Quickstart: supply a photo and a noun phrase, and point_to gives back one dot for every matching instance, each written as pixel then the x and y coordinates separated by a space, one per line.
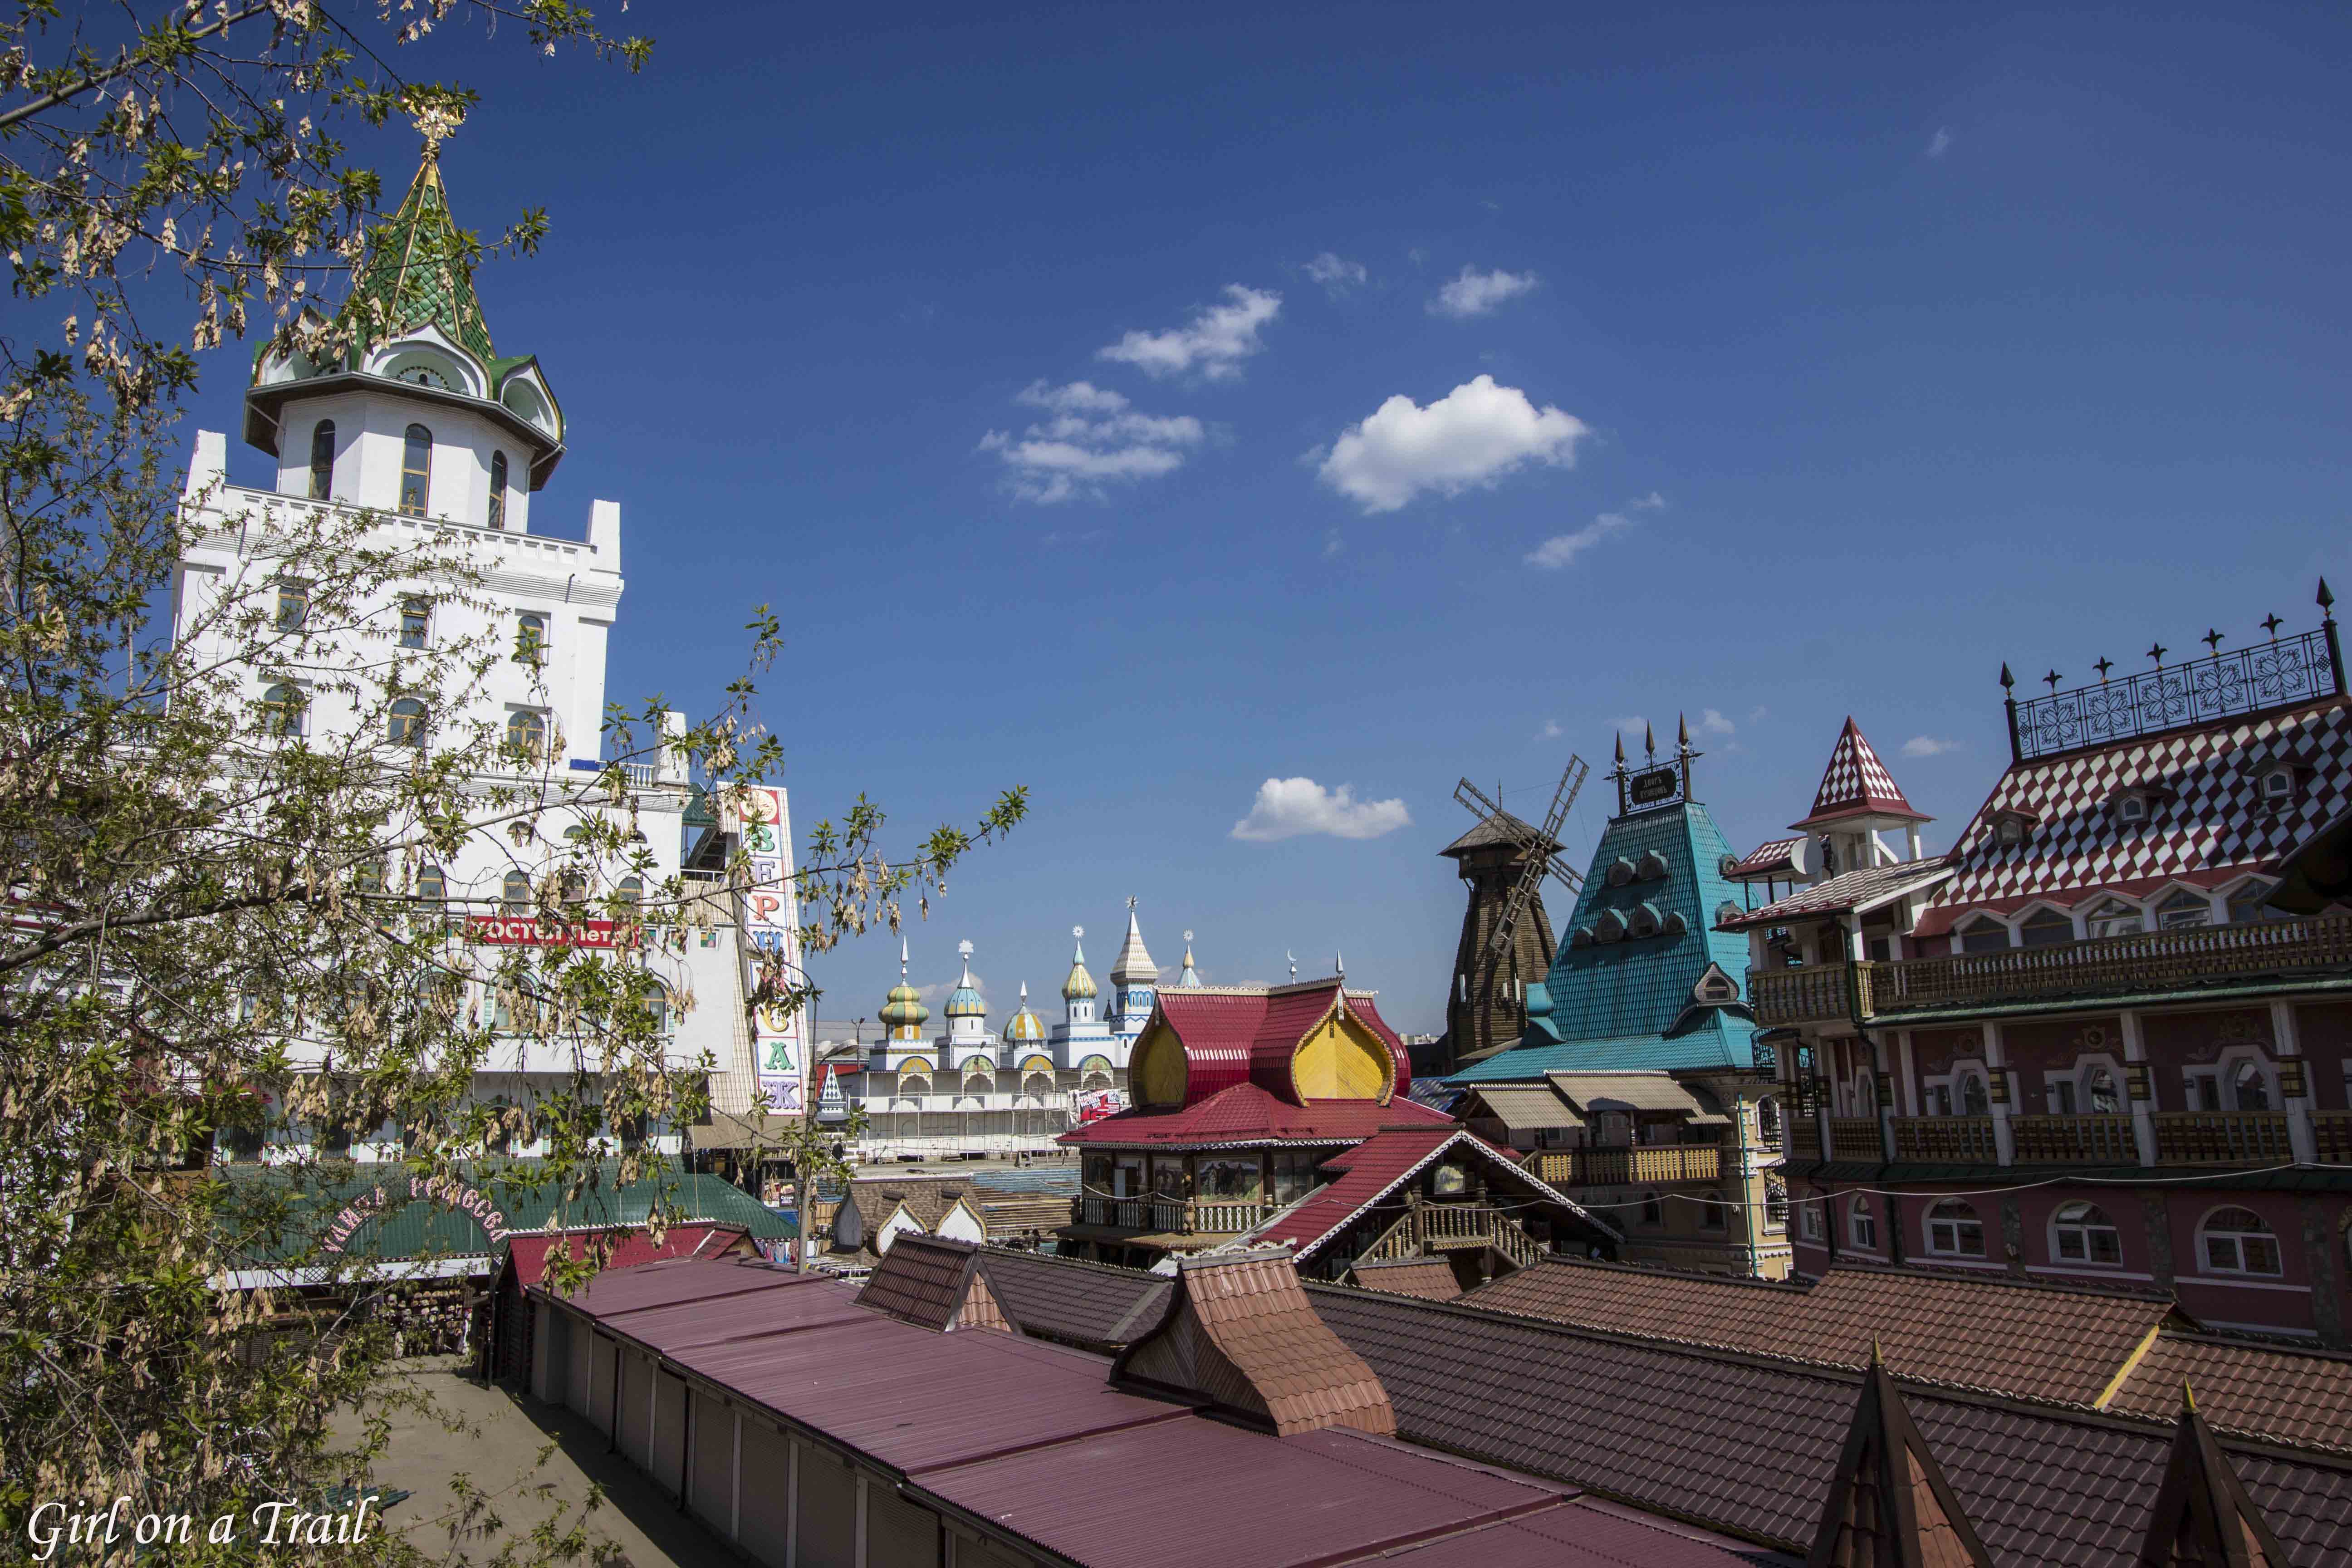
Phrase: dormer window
pixel 423 376
pixel 2131 809
pixel 497 490
pixel 1609 927
pixel 2276 785
pixel 1620 871
pixel 1643 920
pixel 2012 828
pixel 1728 910
pixel 1650 867
pixel 415 470
pixel 1983 934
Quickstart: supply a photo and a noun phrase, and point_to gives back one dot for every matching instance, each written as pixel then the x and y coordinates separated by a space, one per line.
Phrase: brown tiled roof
pixel 922 1280
pixel 1240 1334
pixel 2202 1513
pixel 1091 1305
pixel 2030 1339
pixel 2294 1397
pixel 1431 1279
pixel 1748 1446
pixel 1889 1505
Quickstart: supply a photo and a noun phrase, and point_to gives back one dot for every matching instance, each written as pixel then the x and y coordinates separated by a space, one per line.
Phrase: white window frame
pixel 1953 1225
pixel 2237 1239
pixel 1809 1217
pixel 2040 907
pixel 2058 1225
pixel 1861 1225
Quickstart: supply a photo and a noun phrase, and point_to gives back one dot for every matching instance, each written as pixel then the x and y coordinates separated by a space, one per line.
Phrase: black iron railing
pixel 2286 669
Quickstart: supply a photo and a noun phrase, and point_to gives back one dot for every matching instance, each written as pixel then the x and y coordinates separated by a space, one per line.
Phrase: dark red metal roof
pixel 1246 1034
pixel 528 1251
pixel 1030 1436
pixel 1376 1167
pixel 1245 1113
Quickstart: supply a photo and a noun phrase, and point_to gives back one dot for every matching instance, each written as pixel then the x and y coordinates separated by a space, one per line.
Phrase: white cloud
pixel 1550 731
pixel 1337 274
pixel 1217 340
pixel 1715 723
pixel 1928 747
pixel 1476 293
pixel 1629 723
pixel 1475 434
pixel 1285 808
pixel 1941 142
pixel 1091 437
pixel 1562 548
pixel 1756 715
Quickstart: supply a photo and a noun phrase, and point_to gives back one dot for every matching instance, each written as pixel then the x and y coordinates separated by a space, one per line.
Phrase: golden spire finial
pixel 436 120
pixel 2187 1399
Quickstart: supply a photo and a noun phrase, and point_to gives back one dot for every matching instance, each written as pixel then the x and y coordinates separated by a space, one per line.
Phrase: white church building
pixel 449 444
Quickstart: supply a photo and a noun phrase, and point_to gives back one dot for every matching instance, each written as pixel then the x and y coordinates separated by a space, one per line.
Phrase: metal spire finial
pixel 1294 962
pixel 2211 640
pixel 2157 652
pixel 902 959
pixel 2270 624
pixel 1649 740
pixel 436 123
pixel 1682 730
pixel 2051 680
pixel 2007 680
pixel 2103 666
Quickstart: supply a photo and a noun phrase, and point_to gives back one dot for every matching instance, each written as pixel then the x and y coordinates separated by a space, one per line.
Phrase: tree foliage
pixel 231 925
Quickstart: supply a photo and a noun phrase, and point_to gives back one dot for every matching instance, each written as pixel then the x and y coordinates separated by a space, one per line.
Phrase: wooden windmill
pixel 1507 939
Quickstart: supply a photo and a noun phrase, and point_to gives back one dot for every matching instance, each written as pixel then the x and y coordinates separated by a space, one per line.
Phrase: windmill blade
pixel 1544 861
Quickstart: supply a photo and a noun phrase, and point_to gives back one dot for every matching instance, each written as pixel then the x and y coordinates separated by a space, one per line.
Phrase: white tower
pixel 1135 983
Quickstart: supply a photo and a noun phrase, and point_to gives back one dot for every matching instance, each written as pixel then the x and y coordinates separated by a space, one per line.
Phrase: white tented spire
pixel 1134 966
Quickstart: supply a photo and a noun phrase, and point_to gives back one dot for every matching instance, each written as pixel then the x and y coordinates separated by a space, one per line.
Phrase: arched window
pixel 1861 1225
pixel 1653 1209
pixel 914 1083
pixel 2082 1233
pixel 572 888
pixel 415 622
pixel 1983 934
pixel 515 890
pixel 415 470
pixel 630 890
pixel 284 711
pixel 530 638
pixel 1095 1080
pixel 527 734
pixel 2100 1096
pixel 2045 928
pixel 322 460
pixel 1039 1084
pixel 431 885
pixel 1974 1100
pixel 2237 1241
pixel 1714 1213
pixel 404 726
pixel 497 490
pixel 2249 1086
pixel 1954 1230
pixel 2184 909
pixel 2113 917
pixel 656 1004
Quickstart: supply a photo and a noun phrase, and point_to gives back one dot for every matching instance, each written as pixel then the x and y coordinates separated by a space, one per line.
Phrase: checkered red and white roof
pixel 1856 783
pixel 2206 822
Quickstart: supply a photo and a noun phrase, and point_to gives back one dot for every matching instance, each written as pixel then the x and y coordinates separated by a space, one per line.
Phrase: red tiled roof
pixel 2207 825
pixel 1431 1279
pixel 1856 783
pixel 1244 1113
pixel 1377 1167
pixel 1848 890
pixel 1768 859
pixel 1246 1034
pixel 530 1250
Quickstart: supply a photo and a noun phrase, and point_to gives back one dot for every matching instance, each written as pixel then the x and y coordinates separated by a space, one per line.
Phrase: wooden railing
pixel 2223 1138
pixel 1953 1139
pixel 1624 1167
pixel 1804 1141
pixel 2331 1131
pixel 2117 966
pixel 1427 1228
pixel 1855 1138
pixel 2103 1138
pixel 1177 1215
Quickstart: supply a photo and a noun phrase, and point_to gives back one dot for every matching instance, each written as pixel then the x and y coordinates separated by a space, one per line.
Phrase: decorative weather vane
pixel 963 950
pixel 1130 903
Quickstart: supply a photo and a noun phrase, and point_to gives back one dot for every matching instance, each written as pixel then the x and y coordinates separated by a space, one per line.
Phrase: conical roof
pixel 965 1001
pixel 1504 830
pixel 1889 1505
pixel 1191 978
pixel 1856 783
pixel 2203 1516
pixel 1134 966
pixel 419 271
pixel 1080 986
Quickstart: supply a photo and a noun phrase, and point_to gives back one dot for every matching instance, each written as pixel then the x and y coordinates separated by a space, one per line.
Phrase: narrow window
pixel 415 470
pixel 1653 1210
pixel 1776 1204
pixel 405 724
pixel 1861 1227
pixel 2252 1090
pixel 515 890
pixel 293 606
pixel 322 460
pixel 497 490
pixel 1974 1101
pixel 2099 1092
pixel 432 886
pixel 415 622
pixel 530 638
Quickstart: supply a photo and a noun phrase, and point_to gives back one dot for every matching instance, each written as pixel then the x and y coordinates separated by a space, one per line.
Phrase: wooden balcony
pixel 2223 1138
pixel 2100 1139
pixel 2115 968
pixel 1804 1143
pixel 1629 1167
pixel 1855 1138
pixel 2331 1131
pixel 1176 1216
pixel 1427 1230
pixel 1949 1140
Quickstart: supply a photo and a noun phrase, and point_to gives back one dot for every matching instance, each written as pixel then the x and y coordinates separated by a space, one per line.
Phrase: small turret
pixel 1024 1028
pixel 1191 978
pixel 903 1013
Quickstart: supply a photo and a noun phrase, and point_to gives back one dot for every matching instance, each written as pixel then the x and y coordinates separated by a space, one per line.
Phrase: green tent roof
pixel 419 272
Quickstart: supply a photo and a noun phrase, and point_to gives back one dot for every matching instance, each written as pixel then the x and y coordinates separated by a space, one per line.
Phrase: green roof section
pixel 419 272
pixel 385 1217
pixel 1626 1005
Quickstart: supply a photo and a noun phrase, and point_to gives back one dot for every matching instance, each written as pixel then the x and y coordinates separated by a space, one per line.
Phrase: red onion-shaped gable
pixel 1221 1036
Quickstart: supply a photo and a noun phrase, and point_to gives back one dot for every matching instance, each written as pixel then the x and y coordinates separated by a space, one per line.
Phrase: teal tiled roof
pixel 1615 1005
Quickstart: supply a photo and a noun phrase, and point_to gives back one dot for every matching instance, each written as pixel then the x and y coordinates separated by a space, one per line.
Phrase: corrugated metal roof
pixel 1245 1113
pixel 1625 1090
pixel 1522 1107
pixel 530 1254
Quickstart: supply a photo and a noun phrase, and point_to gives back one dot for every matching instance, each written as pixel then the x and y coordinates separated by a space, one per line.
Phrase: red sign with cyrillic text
pixel 527 930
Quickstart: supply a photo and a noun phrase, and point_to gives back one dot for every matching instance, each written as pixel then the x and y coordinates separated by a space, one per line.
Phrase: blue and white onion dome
pixel 1024 1028
pixel 1080 986
pixel 965 1001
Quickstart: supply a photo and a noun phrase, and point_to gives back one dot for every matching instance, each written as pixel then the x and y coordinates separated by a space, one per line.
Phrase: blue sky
pixel 1841 352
